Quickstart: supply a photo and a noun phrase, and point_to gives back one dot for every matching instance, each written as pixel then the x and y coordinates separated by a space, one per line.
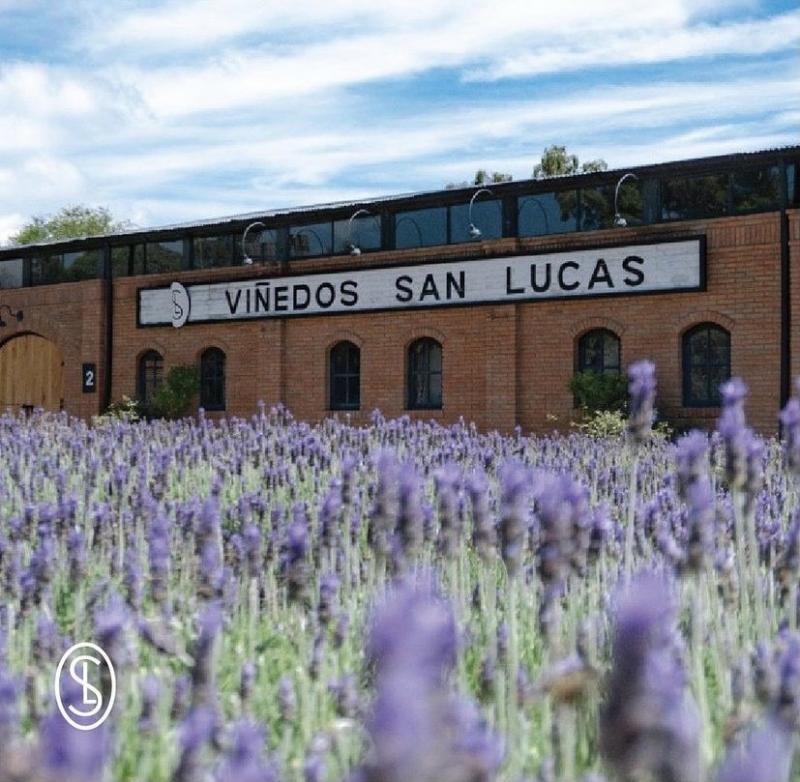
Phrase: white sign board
pixel 605 271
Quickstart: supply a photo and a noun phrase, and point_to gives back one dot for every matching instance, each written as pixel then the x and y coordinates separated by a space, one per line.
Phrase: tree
pixel 556 162
pixel 482 178
pixel 70 222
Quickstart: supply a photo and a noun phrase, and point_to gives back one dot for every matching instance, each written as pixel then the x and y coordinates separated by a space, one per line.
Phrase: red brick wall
pixel 73 316
pixel 503 365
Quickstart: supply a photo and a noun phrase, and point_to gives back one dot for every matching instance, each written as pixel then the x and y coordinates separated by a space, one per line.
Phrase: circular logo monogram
pixel 180 304
pixel 85 686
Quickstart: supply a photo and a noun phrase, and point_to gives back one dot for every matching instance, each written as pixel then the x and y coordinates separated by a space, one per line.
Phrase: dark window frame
pixel 348 374
pixel 711 397
pixel 213 363
pixel 149 375
pixel 424 372
pixel 581 363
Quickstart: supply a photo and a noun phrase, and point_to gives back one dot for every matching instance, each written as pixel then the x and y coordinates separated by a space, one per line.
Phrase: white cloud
pixel 780 33
pixel 9 225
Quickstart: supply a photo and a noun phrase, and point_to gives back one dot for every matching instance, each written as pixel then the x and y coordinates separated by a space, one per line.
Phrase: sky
pixel 189 109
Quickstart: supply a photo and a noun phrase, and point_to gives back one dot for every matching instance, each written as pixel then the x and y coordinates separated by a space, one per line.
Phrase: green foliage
pixel 556 162
pixel 126 409
pixel 482 177
pixel 599 391
pixel 174 397
pixel 603 423
pixel 70 222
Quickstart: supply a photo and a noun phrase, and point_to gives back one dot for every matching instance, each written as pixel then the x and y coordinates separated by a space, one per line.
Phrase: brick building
pixel 470 302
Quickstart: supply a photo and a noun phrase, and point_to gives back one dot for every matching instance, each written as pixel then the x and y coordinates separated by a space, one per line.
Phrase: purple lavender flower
pixel 447 479
pixel 418 731
pixel 195 732
pixel 691 457
pixel 244 761
pixel 328 587
pixel 734 432
pixel 10 689
pixel 484 534
pixel 414 629
pixel 295 566
pixel 766 756
pixel 648 723
pixel 700 525
pixel 410 516
pixel 790 421
pixel 70 755
pixel 76 551
pixel 150 689
pixel 514 491
pixel 642 391
pixel 203 688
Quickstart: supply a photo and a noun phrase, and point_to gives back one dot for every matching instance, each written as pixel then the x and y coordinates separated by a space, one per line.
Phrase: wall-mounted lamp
pixel 246 259
pixel 619 220
pixel 533 200
pixel 17 315
pixel 354 248
pixel 475 232
pixel 297 245
pixel 414 223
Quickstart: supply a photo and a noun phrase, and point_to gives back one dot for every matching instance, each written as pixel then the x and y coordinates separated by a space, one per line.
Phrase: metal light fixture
pixel 535 200
pixel 17 315
pixel 619 220
pixel 354 248
pixel 475 233
pixel 413 222
pixel 246 259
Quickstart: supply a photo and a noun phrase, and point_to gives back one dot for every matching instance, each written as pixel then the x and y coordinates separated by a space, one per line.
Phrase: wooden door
pixel 31 374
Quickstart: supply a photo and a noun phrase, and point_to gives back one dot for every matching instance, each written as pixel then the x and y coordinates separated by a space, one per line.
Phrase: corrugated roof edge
pixel 266 214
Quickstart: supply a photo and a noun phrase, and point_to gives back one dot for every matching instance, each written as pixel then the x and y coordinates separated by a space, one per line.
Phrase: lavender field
pixel 403 602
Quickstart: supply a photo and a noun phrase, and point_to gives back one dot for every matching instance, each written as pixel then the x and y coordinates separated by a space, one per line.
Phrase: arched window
pixel 706 364
pixel 212 379
pixel 150 375
pixel 345 376
pixel 425 374
pixel 599 350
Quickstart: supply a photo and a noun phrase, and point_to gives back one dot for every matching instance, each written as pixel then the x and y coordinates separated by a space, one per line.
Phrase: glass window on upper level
pixel 420 228
pixel 12 273
pixel 164 256
pixel 213 252
pixel 121 261
pixel 686 198
pixel 792 188
pixel 137 259
pixel 86 265
pixel 756 189
pixel 597 205
pixel 487 217
pixel 363 232
pixel 306 241
pixel 546 213
pixel 261 247
pixel 45 269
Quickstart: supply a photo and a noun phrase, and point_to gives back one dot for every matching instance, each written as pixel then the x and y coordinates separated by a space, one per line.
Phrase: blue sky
pixel 188 109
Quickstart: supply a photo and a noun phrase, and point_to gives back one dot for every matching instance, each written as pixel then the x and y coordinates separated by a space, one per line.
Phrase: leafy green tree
pixel 70 222
pixel 482 178
pixel 173 398
pixel 557 162
pixel 595 391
